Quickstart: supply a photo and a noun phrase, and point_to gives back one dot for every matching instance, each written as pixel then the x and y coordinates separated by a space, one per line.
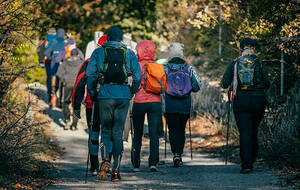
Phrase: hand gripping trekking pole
pixel 90 128
pixel 228 125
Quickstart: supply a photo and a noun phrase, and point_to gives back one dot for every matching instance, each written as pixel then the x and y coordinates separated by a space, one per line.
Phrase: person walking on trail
pixel 114 63
pixel 77 97
pixel 45 61
pixel 67 74
pixel 56 52
pixel 182 79
pixel 146 103
pixel 249 81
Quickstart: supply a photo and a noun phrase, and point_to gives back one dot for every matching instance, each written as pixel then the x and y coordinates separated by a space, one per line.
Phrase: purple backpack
pixel 178 81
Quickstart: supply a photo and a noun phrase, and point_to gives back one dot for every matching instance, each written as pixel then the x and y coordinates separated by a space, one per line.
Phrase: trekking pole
pixel 166 135
pixel 228 125
pixel 90 128
pixel 190 130
pixel 191 146
pixel 131 133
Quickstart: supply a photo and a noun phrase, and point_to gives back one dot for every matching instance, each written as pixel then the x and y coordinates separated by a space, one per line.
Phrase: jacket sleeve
pixel 41 52
pixel 228 76
pixel 195 80
pixel 95 66
pixel 61 72
pixel 49 50
pixel 80 54
pixel 135 69
pixel 265 76
pixel 79 87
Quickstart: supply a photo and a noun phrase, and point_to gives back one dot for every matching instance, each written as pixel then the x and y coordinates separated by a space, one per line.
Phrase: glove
pixel 42 65
pixel 77 113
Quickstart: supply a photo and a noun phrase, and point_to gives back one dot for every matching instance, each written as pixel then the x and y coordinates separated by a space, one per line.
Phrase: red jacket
pixel 80 84
pixel 79 88
pixel 145 53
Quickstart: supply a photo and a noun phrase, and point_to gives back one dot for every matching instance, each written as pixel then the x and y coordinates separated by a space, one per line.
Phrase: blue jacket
pixel 182 105
pixel 113 91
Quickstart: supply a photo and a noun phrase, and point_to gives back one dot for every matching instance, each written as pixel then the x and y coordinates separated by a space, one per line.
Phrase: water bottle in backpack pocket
pixel 178 81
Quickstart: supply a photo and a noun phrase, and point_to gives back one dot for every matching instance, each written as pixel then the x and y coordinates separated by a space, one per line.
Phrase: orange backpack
pixel 155 80
pixel 67 51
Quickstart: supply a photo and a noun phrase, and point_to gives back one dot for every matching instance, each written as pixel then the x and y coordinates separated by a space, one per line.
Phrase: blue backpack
pixel 178 81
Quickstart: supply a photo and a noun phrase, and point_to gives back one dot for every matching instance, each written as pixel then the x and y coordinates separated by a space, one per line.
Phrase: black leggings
pixel 176 124
pixel 154 114
pixel 248 111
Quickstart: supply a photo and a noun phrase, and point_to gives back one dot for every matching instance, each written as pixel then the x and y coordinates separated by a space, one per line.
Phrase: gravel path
pixel 203 172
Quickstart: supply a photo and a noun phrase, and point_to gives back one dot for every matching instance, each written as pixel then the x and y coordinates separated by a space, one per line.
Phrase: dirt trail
pixel 203 172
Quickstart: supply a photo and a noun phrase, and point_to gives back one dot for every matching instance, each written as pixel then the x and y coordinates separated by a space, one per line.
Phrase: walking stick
pixel 166 135
pixel 88 157
pixel 228 125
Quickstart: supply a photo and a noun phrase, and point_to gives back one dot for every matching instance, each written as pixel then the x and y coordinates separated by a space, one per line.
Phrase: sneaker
pixel 245 170
pixel 177 161
pixel 136 169
pixel 94 172
pixel 115 176
pixel 105 170
pixel 153 169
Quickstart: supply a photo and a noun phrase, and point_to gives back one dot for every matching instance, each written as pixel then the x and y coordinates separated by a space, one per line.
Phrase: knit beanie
pixel 176 50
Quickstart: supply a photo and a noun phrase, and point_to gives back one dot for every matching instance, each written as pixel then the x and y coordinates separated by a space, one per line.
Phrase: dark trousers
pixel 94 130
pixel 248 111
pixel 154 114
pixel 48 77
pixel 113 115
pixel 176 124
pixel 67 101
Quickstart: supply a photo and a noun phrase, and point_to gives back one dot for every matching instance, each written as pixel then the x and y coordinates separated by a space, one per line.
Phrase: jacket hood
pixel 50 37
pixel 102 40
pixel 146 50
pixel 176 50
pixel 114 34
pixel 60 33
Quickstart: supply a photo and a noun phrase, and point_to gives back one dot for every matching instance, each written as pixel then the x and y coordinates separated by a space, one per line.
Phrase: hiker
pixel 249 81
pixel 69 46
pixel 67 74
pixel 45 61
pixel 114 62
pixel 56 52
pixel 182 79
pixel 146 103
pixel 92 45
pixel 77 97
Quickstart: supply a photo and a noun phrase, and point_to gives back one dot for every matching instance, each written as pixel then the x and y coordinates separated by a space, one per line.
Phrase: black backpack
pixel 114 71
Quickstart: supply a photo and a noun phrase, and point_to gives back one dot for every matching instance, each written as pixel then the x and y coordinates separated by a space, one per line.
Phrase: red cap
pixel 102 40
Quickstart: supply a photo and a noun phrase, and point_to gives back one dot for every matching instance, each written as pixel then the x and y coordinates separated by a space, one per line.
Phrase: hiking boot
pixel 153 169
pixel 68 125
pixel 94 172
pixel 245 170
pixel 136 169
pixel 177 161
pixel 105 170
pixel 115 176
